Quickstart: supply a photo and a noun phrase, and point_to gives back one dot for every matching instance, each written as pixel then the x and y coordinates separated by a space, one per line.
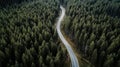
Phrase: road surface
pixel 73 58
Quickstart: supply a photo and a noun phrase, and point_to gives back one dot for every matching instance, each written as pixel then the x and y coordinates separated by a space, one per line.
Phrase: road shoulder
pixel 82 62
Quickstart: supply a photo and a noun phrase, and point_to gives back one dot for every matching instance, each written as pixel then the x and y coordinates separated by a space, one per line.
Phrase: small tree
pixel 94 57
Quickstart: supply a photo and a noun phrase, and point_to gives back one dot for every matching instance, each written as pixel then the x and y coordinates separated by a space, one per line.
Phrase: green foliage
pixel 94 26
pixel 27 35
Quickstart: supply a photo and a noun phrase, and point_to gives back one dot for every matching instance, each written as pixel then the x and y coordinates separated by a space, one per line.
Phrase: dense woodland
pixel 5 3
pixel 94 26
pixel 28 37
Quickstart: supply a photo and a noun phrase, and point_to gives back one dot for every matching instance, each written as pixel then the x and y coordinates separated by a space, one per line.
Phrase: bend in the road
pixel 73 57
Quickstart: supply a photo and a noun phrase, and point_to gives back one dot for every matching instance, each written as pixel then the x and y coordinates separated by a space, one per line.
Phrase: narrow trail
pixel 74 60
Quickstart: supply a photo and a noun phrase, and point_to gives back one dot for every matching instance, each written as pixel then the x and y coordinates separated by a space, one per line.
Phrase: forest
pixel 27 35
pixel 94 27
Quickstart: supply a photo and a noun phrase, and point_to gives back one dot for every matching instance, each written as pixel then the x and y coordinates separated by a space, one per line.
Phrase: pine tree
pixel 94 57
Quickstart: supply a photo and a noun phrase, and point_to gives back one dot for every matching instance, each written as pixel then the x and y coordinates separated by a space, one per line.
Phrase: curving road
pixel 73 58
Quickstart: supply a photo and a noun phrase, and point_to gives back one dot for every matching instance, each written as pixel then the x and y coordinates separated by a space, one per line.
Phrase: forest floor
pixel 82 62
